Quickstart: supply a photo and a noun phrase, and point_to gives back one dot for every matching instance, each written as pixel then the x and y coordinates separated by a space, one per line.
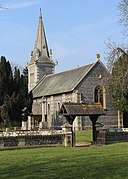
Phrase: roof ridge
pixel 75 68
pixel 63 82
pixel 63 72
pixel 92 65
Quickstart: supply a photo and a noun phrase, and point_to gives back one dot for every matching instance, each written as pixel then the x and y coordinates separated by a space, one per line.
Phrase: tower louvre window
pixel 32 77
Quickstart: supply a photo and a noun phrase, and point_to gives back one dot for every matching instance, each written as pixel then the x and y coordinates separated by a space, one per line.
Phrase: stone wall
pixel 35 138
pixel 9 141
pixel 109 136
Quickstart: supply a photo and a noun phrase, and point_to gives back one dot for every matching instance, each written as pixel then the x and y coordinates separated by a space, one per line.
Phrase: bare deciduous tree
pixel 117 63
pixel 123 8
pixel 115 51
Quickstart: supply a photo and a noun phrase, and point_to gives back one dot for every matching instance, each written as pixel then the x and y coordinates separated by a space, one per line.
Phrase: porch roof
pixel 81 109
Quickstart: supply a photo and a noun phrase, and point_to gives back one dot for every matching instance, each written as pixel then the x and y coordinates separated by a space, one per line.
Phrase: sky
pixel 76 30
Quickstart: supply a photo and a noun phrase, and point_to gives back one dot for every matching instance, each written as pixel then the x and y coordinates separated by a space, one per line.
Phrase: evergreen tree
pixel 16 80
pixel 13 92
pixel 3 79
pixel 27 96
pixel 6 79
pixel 20 98
pixel 9 81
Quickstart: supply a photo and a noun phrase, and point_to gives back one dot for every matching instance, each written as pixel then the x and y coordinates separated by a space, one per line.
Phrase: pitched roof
pixel 81 109
pixel 62 82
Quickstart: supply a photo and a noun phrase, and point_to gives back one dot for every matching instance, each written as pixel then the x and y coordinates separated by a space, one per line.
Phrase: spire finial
pixel 40 13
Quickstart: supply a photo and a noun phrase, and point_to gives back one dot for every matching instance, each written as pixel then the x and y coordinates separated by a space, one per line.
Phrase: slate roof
pixel 81 109
pixel 62 82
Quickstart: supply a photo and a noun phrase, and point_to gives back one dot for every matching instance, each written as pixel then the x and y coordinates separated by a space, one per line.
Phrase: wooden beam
pixel 94 118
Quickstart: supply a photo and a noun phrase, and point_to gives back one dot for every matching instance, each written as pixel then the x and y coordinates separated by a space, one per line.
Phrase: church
pixel 85 84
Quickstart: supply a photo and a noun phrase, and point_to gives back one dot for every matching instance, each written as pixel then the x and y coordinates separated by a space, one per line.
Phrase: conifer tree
pixel 3 79
pixel 13 93
pixel 9 79
pixel 6 85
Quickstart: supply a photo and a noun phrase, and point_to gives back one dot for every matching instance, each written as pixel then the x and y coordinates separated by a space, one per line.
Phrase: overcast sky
pixel 76 30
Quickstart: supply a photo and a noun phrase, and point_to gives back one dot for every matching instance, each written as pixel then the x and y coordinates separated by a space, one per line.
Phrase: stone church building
pixel 87 84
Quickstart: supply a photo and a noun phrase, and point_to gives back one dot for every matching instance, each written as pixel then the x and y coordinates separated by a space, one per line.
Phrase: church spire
pixel 40 52
pixel 41 63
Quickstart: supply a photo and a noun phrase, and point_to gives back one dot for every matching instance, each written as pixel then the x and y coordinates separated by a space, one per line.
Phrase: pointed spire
pixel 40 51
pixel 41 63
pixel 40 13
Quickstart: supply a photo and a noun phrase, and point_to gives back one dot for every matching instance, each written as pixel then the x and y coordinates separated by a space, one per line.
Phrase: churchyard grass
pixel 84 136
pixel 108 161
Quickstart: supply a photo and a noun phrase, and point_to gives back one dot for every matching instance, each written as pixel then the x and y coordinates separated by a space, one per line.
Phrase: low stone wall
pixel 35 138
pixel 40 140
pixel 8 141
pixel 31 140
pixel 109 136
pixel 30 133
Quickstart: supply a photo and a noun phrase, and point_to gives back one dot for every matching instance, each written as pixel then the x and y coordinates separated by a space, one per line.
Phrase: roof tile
pixel 61 82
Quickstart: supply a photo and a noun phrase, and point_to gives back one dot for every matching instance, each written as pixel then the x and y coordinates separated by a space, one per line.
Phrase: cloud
pixel 22 4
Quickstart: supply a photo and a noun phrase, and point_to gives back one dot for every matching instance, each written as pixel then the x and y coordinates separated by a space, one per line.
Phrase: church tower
pixel 41 63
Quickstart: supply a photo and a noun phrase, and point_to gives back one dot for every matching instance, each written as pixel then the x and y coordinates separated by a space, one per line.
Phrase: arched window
pixel 98 94
pixel 58 106
pixel 48 109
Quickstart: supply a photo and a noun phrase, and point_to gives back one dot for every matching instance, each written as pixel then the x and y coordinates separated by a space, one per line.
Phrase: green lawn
pixel 110 161
pixel 84 136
